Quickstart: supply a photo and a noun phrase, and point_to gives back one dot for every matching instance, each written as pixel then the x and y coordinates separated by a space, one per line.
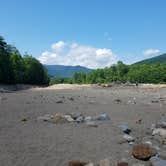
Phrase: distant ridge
pixel 157 59
pixel 65 71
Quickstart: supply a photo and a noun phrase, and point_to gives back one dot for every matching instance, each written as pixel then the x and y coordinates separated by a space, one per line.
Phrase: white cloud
pixel 58 46
pixel 151 52
pixel 75 54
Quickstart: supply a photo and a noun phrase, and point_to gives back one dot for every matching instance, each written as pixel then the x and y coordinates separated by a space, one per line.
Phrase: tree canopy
pixel 15 68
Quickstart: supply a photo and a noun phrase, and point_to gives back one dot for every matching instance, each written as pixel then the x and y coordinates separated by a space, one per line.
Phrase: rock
pixel 154 101
pixel 69 118
pixel 128 138
pixel 143 152
pixel 162 155
pixel 138 164
pixel 59 101
pixel 123 164
pixel 46 117
pixel 88 118
pixel 90 164
pixel 24 119
pixel 91 124
pixel 124 127
pixel 58 118
pixel 80 119
pixel 118 101
pixel 155 161
pixel 159 131
pixel 77 163
pixel 105 162
pixel 138 121
pixel 75 115
pixel 71 98
pixel 161 125
pixel 103 116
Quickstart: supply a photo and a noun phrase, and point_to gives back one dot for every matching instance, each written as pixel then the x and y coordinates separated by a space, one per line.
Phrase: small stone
pixel 118 101
pixel 143 152
pixel 128 138
pixel 105 162
pixel 24 119
pixel 77 163
pixel 123 164
pixel 89 164
pixel 91 124
pixel 59 102
pixel 159 131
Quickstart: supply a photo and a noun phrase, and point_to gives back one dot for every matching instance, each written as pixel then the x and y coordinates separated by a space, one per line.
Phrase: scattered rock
pixel 155 161
pixel 161 125
pixel 118 101
pixel 138 121
pixel 128 138
pixel 69 118
pixel 75 115
pixel 162 155
pixel 105 162
pixel 143 152
pixel 123 164
pixel 59 101
pixel 58 118
pixel 138 164
pixel 71 98
pixel 103 116
pixel 159 131
pixel 80 119
pixel 24 120
pixel 154 101
pixel 124 127
pixel 90 164
pixel 91 124
pixel 77 163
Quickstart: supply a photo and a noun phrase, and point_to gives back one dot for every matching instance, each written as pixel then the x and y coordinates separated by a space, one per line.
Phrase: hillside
pixel 157 59
pixel 65 71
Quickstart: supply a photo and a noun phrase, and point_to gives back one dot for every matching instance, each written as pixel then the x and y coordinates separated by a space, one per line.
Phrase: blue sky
pixel 93 33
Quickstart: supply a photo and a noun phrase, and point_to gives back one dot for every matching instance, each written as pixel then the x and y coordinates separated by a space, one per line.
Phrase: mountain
pixel 157 59
pixel 65 71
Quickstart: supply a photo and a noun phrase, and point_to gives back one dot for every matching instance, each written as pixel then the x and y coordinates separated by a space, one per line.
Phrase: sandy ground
pixel 37 143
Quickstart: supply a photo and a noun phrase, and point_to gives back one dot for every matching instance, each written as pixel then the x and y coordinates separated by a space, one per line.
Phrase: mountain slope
pixel 157 59
pixel 65 71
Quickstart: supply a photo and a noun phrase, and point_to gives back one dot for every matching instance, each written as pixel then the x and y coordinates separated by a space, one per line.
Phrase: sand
pixel 38 143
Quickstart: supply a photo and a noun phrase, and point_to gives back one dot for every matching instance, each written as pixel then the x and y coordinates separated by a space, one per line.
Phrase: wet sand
pixel 38 143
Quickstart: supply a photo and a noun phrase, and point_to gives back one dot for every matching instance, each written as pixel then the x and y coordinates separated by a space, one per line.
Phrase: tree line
pixel 15 68
pixel 120 72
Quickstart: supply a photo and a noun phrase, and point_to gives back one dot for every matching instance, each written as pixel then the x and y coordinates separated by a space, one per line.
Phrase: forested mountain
pixel 154 60
pixel 65 71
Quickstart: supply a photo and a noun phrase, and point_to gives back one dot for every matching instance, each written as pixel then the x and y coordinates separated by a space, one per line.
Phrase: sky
pixel 91 33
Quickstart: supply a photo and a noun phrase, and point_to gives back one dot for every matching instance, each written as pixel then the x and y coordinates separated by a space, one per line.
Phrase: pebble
pixel 105 162
pixel 77 163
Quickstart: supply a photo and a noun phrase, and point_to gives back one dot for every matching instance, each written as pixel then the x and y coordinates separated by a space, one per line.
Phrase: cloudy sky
pixel 91 33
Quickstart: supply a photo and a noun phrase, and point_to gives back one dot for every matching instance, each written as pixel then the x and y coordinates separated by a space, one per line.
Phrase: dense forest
pixel 138 73
pixel 15 68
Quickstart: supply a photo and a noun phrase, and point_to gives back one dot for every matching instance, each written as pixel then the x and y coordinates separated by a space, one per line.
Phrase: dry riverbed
pixel 27 141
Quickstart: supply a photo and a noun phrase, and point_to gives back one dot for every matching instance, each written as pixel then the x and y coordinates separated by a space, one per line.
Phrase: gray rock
pixel 128 138
pixel 124 127
pixel 105 162
pixel 103 116
pixel 155 161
